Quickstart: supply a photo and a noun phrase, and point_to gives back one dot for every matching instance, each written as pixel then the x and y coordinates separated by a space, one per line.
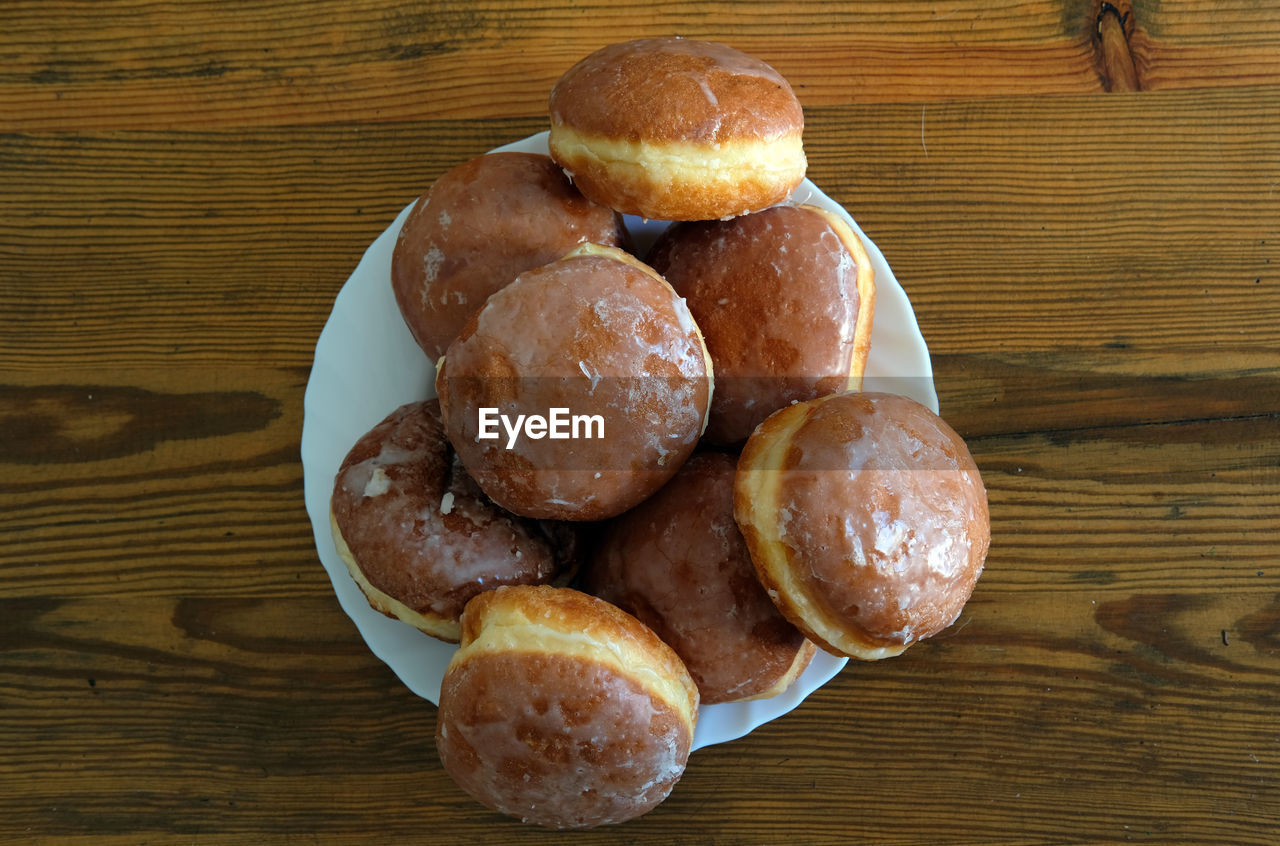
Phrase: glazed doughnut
pixel 866 518
pixel 561 710
pixel 784 298
pixel 419 537
pixel 676 129
pixel 600 339
pixel 678 563
pixel 479 226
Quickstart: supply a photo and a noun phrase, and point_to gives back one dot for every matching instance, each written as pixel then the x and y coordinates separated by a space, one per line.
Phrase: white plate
pixel 367 364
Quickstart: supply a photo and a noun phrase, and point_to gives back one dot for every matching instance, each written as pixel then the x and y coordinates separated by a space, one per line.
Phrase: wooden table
pixel 1082 201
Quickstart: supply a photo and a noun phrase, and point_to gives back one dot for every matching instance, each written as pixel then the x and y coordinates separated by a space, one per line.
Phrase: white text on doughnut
pixel 559 424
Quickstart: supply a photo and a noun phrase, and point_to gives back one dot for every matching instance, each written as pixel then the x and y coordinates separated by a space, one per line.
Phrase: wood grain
pixel 142 64
pixel 186 187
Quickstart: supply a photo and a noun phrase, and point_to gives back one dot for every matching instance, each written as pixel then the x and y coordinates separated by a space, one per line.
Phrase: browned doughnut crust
pixel 417 534
pixel 784 298
pixel 479 226
pixel 563 711
pixel 679 564
pixel 597 333
pixel 678 129
pixel 866 518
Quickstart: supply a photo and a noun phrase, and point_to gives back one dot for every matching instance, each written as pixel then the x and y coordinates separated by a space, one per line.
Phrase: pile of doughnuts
pixel 648 482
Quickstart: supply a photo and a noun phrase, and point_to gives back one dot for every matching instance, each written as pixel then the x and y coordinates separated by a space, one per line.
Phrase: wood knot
pixel 1113 29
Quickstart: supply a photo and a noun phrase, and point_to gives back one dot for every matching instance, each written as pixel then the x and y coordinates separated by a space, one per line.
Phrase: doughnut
pixel 479 226
pixel 784 298
pixel 677 129
pixel 418 536
pixel 578 389
pixel 563 711
pixel 866 519
pixel 678 563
